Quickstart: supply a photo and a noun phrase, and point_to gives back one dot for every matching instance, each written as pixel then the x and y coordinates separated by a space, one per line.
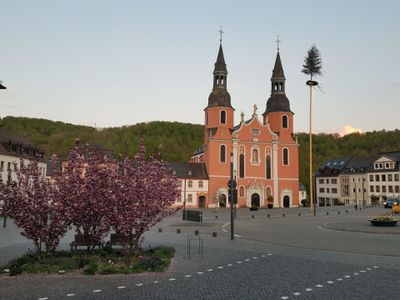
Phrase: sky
pixel 114 63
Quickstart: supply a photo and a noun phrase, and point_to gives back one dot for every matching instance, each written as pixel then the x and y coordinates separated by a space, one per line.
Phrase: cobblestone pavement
pixel 274 258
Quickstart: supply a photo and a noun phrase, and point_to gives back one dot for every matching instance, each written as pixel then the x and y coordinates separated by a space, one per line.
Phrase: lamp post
pixel 2 87
pixel 231 193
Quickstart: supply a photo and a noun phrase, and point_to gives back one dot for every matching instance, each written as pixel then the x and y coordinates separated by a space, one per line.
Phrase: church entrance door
pixel 222 200
pixel 286 201
pixel 255 200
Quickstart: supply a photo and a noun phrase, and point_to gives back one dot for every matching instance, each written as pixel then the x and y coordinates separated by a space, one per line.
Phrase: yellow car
pixel 396 209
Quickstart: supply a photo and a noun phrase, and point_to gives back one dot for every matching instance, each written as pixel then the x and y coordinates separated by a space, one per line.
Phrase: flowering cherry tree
pixel 84 182
pixel 36 206
pixel 145 189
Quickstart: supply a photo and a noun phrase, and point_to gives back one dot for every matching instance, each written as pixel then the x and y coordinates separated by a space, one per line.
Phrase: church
pixel 263 149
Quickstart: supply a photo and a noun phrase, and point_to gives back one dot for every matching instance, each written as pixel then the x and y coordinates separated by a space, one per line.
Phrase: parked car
pixel 390 202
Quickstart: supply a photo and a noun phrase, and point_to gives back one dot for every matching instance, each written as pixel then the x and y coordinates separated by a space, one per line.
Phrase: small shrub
pixel 148 263
pixel 91 270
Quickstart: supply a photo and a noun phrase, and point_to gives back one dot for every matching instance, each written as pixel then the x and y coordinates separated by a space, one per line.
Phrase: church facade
pixel 263 149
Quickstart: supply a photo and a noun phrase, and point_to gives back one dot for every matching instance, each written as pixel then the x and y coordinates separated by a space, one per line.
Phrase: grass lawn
pixel 105 261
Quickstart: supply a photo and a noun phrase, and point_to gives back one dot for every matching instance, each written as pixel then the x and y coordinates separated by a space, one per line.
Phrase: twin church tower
pixel 264 152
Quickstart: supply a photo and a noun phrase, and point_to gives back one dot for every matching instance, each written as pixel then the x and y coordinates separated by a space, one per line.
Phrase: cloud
pixel 347 129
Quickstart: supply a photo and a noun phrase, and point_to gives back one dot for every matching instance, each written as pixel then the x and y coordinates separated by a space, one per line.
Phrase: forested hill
pixel 177 141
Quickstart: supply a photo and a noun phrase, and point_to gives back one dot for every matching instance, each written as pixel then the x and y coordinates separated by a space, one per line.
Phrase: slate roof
pixel 189 170
pixel 333 167
pixel 277 72
pixel 358 165
pixel 220 64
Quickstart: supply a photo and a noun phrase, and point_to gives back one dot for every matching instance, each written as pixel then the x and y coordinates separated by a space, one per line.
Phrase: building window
pixel 241 191
pixel 268 166
pixel 222 154
pixel 321 190
pixel 390 189
pixel 206 117
pixel 327 180
pixel 327 190
pixel 371 177
pixel 8 166
pixel 371 188
pixel 16 168
pixel 383 188
pixel 387 166
pixel 223 117
pixel 390 177
pixel 2 165
pixel 190 183
pixel 201 184
pixel 321 180
pixel 396 177
pixel 334 181
pixel 378 189
pixel 269 192
pixel 241 165
pixel 377 177
pixel 284 121
pixel 285 156
pixel 396 188
pixel 190 198
pixel 254 156
pixel 383 177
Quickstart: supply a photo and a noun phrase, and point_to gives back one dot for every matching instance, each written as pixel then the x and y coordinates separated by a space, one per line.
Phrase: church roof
pixel 277 102
pixel 278 69
pixel 219 97
pixel 220 64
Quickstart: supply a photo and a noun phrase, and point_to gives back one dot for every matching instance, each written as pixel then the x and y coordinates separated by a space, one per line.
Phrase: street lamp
pixel 231 188
pixel 187 173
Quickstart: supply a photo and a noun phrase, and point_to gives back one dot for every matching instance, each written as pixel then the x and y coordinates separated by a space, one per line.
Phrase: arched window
pixel 268 167
pixel 284 121
pixel 254 156
pixel 285 156
pixel 206 117
pixel 223 117
pixel 268 191
pixel 241 165
pixel 222 154
pixel 241 191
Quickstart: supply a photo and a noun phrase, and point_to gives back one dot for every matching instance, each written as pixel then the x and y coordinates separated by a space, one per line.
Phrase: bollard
pixel 327 213
pixel 268 215
pixel 216 217
pixel 347 211
pixel 283 215
pixel 338 212
pixel 252 216
pixel 196 232
pixel 178 231
pixel 299 214
pixel 214 234
pixel 159 229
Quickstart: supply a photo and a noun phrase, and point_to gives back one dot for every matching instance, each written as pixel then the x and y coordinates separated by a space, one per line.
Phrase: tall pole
pixel 311 175
pixel 184 200
pixel 231 193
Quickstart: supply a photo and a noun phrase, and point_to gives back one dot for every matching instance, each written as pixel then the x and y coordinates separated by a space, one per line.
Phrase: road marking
pixel 172 279
pixel 155 281
pixel 356 273
pixel 284 297
pixel 255 257
pixel 263 255
pixel 296 294
pixel 229 265
pixel 339 279
pixel 70 295
pixel 269 254
pixel 363 271
pixel 199 273
pixel 319 286
pixel 139 284
pixel 247 259
pixel 220 267
pixel 121 287
pixel 226 224
pixel 330 282
pixel 224 230
pixel 45 298
pixel 369 269
pixel 239 236
pixel 209 270
pixel 347 276
pixel 309 289
pixel 96 291
pixel 375 267
pixel 239 262
pixel 188 276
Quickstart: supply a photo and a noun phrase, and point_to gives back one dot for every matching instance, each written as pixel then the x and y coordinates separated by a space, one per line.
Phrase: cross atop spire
pixel 221 32
pixel 277 42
